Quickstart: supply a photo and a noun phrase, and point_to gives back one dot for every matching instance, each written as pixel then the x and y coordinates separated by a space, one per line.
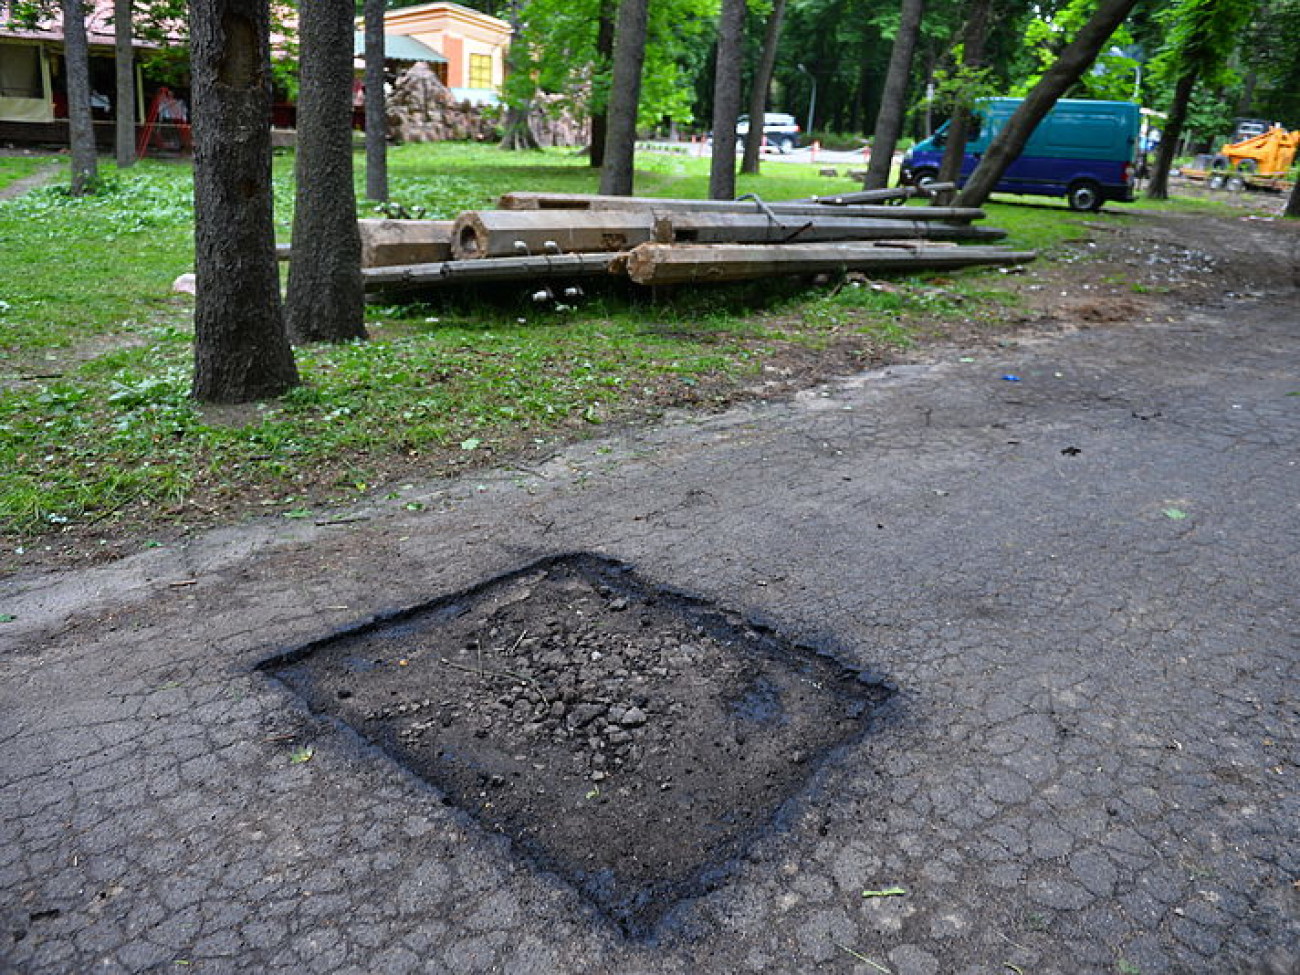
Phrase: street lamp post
pixel 812 99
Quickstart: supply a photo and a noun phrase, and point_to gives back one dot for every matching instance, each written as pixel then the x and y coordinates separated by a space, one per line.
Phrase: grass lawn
pixel 102 446
pixel 14 168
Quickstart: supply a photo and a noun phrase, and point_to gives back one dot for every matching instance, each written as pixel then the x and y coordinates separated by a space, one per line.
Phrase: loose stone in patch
pixel 631 739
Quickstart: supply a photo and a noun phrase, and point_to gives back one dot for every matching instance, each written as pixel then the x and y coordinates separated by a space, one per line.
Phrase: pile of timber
pixel 536 236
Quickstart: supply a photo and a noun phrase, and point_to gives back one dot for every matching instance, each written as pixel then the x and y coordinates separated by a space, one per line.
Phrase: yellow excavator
pixel 1268 154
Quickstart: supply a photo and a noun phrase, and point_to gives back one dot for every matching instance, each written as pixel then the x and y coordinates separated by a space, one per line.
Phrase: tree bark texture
pixel 604 56
pixel 616 175
pixel 325 301
pixel 81 127
pixel 1077 57
pixel 517 132
pixel 1158 187
pixel 726 101
pixel 893 102
pixel 241 352
pixel 762 83
pixel 376 123
pixel 1293 203
pixel 124 56
pixel 973 41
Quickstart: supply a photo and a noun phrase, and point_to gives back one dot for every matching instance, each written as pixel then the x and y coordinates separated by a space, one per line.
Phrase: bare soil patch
pixel 631 739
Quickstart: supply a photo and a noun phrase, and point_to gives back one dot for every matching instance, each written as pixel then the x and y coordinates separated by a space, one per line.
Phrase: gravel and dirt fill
pixel 627 737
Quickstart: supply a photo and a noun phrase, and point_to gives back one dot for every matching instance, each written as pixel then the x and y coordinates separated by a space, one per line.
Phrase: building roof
pixel 99 26
pixel 399 47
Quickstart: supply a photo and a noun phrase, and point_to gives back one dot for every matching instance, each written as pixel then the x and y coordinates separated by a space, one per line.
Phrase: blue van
pixel 1085 151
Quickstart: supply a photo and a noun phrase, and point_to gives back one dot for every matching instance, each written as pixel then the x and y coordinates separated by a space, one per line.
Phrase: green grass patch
pixel 97 428
pixel 14 168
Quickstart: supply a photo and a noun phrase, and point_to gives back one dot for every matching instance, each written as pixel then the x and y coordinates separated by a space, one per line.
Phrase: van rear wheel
pixel 923 177
pixel 1084 195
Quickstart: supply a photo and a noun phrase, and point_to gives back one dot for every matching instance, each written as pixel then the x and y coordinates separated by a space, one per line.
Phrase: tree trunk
pixel 893 102
pixel 762 82
pixel 81 127
pixel 240 349
pixel 974 37
pixel 1293 204
pixel 726 101
pixel 325 301
pixel 376 120
pixel 517 133
pixel 1158 187
pixel 600 110
pixel 124 57
pixel 616 175
pixel 517 130
pixel 1077 57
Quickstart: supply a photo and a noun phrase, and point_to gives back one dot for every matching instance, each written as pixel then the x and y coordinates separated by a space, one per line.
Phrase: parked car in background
pixel 780 131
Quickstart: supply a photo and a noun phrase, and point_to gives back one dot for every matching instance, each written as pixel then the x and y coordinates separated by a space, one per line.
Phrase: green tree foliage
pixel 1046 35
pixel 1271 51
pixel 560 57
pixel 1201 37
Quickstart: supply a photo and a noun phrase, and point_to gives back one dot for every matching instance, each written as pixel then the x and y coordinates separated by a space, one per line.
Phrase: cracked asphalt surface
pixel 1082 581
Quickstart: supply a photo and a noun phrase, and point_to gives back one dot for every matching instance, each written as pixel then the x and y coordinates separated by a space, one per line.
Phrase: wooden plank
pixel 488 270
pixel 588 201
pixel 659 264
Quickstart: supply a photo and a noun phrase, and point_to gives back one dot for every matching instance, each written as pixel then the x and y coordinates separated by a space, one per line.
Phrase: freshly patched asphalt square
pixel 629 738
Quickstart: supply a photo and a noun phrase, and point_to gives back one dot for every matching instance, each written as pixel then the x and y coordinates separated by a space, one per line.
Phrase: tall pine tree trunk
pixel 893 102
pixel 1158 187
pixel 762 82
pixel 726 101
pixel 124 97
pixel 1077 57
pixel 325 301
pixel 600 110
pixel 616 175
pixel 81 126
pixel 240 349
pixel 376 116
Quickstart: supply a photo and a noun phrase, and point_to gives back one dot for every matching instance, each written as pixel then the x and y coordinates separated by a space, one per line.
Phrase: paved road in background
pixel 1076 557
pixel 806 155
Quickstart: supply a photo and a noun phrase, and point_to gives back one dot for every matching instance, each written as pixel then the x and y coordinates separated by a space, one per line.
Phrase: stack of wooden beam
pixel 535 236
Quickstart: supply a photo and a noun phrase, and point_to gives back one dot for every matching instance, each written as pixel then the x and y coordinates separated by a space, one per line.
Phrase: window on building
pixel 20 72
pixel 480 71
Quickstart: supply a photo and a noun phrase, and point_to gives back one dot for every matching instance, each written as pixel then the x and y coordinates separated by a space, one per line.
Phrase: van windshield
pixel 973 131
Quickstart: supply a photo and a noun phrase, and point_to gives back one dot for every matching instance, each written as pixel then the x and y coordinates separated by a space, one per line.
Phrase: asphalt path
pixel 1075 556
pixel 805 155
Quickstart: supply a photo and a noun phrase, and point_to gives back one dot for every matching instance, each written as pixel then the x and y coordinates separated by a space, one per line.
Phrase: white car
pixel 779 130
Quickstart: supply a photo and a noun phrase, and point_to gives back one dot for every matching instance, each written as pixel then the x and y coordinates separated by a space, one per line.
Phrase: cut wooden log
pixel 488 270
pixel 512 233
pixel 660 264
pixel 587 201
pixel 390 243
